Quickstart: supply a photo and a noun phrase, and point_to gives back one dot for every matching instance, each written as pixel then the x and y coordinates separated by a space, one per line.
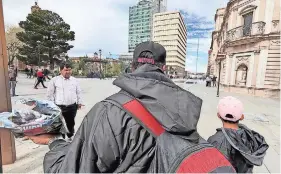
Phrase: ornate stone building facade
pixel 246 42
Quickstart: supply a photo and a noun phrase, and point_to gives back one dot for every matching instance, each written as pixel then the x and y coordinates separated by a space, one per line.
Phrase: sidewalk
pixel 261 115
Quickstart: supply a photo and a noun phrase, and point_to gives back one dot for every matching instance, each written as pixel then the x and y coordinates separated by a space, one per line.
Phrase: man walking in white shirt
pixel 65 92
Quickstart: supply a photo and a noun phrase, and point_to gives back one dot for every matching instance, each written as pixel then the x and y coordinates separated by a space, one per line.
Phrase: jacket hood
pixel 176 109
pixel 249 143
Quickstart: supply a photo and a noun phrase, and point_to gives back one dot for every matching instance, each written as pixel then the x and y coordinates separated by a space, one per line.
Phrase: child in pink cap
pixel 243 147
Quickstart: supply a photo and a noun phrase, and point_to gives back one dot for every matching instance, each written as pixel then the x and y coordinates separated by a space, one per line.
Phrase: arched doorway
pixel 241 75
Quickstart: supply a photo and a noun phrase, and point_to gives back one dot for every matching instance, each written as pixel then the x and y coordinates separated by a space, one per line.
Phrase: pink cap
pixel 232 106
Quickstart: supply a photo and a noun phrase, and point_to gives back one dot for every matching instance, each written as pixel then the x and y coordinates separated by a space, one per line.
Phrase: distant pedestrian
pixel 26 70
pixel 40 77
pixel 31 72
pixel 214 79
pixel 46 72
pixel 64 90
pixel 35 72
pixel 208 81
pixel 12 80
pixel 243 147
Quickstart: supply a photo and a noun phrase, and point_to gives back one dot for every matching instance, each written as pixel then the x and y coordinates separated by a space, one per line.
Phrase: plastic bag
pixel 33 117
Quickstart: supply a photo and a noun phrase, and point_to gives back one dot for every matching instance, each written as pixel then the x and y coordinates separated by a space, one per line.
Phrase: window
pixel 248 20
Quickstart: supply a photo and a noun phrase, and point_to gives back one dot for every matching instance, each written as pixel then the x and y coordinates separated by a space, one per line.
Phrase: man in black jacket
pixel 110 140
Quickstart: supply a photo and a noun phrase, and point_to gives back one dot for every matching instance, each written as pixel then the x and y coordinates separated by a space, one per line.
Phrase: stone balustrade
pixel 257 28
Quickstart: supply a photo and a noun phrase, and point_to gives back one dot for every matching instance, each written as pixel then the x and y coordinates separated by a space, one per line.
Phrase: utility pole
pixel 197 56
pixel 100 65
pixel 8 151
pixel 159 3
pixel 219 80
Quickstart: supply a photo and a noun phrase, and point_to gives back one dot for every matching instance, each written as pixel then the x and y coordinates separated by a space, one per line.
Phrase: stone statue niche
pixel 241 75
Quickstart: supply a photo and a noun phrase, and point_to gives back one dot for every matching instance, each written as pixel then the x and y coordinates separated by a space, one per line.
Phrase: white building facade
pixel 170 31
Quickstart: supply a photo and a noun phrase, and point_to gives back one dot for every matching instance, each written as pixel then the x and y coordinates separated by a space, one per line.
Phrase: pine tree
pixel 45 36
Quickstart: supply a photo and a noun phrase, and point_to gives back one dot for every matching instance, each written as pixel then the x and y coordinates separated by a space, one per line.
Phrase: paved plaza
pixel 262 115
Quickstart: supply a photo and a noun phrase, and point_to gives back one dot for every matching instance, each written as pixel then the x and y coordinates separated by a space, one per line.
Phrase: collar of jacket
pixel 151 72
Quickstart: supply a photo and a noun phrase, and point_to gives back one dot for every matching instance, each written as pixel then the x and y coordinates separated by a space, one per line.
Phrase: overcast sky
pixel 104 23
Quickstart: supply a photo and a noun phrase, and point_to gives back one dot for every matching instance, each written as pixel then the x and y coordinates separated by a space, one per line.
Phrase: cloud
pixel 203 8
pixel 199 30
pixel 197 26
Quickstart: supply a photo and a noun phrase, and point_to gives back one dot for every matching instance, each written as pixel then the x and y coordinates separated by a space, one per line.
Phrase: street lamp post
pixel 218 87
pixel 197 57
pixel 100 65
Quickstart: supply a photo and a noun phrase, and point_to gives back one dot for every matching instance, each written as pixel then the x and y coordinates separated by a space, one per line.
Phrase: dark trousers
pixel 13 87
pixel 40 80
pixel 69 113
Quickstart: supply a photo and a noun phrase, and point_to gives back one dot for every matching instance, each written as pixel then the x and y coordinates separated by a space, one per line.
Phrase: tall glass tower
pixel 141 21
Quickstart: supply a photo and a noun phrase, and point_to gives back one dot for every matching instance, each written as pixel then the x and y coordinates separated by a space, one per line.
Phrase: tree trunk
pixel 10 60
pixel 52 64
pixel 52 61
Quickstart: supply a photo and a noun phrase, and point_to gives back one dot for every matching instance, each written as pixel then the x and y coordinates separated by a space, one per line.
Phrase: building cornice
pixel 247 9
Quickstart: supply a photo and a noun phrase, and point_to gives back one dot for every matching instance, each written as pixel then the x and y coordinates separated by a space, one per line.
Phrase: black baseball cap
pixel 157 50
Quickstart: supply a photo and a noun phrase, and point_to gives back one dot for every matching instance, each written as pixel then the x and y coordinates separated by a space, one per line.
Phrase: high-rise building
pixel 170 31
pixel 159 6
pixel 141 20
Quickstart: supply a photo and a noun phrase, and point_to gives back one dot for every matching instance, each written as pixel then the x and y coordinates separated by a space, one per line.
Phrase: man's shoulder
pixel 73 79
pixel 118 119
pixel 107 109
pixel 217 137
pixel 55 78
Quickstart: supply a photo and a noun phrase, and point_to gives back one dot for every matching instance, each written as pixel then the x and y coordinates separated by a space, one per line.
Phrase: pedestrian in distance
pixel 214 79
pixel 208 81
pixel 150 126
pixel 64 90
pixel 40 77
pixel 31 73
pixel 243 147
pixel 46 72
pixel 12 80
pixel 26 70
